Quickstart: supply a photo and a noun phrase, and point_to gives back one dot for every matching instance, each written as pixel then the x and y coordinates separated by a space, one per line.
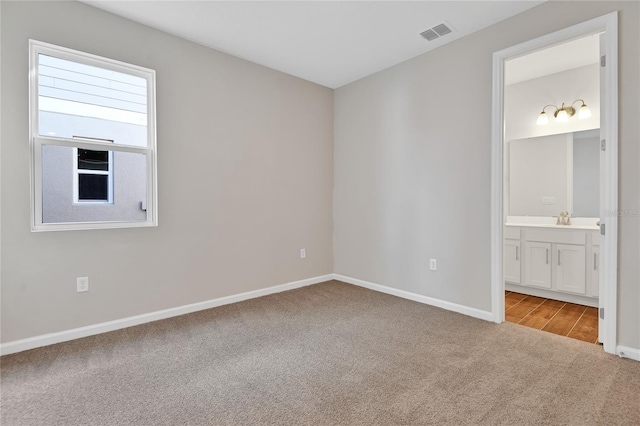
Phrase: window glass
pixel 87 102
pixel 93 176
pixel 93 160
pixel 99 195
pixel 93 187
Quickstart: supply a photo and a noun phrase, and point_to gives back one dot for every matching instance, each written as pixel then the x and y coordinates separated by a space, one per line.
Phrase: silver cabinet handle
pixel 517 253
pixel 547 256
pixel 595 261
pixel 559 257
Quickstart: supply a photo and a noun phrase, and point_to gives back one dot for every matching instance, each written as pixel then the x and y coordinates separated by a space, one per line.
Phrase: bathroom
pixel 552 188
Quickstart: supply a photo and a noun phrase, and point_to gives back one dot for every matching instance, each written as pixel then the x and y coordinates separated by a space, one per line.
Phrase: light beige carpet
pixel 328 354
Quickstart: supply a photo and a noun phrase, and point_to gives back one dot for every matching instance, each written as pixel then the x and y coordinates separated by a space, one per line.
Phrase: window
pixel 93 176
pixel 93 141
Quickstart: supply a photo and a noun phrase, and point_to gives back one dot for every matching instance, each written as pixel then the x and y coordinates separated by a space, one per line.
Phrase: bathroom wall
pixel 524 101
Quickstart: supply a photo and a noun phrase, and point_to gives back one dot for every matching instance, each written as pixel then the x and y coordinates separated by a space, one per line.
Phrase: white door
pixel 570 268
pixel 538 264
pixel 512 261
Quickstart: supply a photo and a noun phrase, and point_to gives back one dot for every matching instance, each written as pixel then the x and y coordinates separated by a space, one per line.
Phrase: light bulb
pixel 542 119
pixel 562 116
pixel 584 112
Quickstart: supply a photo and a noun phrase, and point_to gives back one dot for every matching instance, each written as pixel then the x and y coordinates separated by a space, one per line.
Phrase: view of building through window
pixel 82 101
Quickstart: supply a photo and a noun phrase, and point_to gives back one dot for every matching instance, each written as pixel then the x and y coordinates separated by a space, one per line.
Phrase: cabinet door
pixel 512 261
pixel 537 260
pixel 594 271
pixel 570 268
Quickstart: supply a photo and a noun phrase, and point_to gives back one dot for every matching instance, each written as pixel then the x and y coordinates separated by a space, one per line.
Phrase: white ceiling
pixel 331 43
pixel 562 57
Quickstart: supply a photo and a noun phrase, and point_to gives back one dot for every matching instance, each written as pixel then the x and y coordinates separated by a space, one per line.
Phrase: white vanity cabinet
pixel 512 255
pixel 552 262
pixel 537 264
pixel 570 268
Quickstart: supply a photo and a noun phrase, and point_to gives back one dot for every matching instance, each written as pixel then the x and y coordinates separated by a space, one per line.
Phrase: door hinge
pixel 602 229
pixel 603 145
pixel 602 313
pixel 603 60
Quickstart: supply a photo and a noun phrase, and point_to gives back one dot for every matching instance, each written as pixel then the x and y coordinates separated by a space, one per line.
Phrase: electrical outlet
pixel 82 284
pixel 303 253
pixel 433 264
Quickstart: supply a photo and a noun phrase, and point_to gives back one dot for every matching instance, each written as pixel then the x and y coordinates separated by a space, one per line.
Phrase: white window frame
pixel 76 180
pixel 37 141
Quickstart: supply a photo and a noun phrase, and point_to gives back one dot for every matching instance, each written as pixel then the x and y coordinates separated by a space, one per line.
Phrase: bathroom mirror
pixel 550 174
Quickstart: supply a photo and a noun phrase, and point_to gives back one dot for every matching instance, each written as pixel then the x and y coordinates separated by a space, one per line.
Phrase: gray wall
pixel 412 164
pixel 245 180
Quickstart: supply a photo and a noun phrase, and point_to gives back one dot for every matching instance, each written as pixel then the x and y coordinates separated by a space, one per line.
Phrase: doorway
pixel 556 261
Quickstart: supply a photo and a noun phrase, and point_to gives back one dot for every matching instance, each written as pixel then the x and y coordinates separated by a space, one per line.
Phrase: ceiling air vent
pixel 435 32
pixel 441 29
pixel 429 35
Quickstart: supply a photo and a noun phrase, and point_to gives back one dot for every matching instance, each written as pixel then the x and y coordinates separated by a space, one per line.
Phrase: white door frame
pixel 609 200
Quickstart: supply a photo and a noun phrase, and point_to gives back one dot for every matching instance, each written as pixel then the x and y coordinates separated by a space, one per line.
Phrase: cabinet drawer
pixel 556 236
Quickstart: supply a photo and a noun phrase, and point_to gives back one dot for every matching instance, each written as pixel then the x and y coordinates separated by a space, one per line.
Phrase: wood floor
pixel 566 319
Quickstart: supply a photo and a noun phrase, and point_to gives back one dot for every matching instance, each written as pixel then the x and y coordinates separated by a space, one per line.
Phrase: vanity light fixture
pixel 563 113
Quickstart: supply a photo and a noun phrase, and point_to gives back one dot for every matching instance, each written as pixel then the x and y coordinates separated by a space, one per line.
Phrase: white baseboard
pixel 449 306
pixel 90 330
pixel 626 352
